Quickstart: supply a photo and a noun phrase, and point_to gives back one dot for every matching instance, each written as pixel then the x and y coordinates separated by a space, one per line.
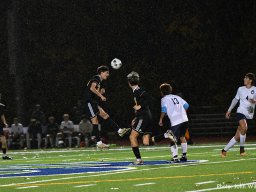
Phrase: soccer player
pixel 92 96
pixel 142 123
pixel 175 107
pixel 246 95
pixel 2 136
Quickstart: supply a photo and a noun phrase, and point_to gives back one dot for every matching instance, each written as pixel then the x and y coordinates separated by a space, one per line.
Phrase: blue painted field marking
pixel 25 170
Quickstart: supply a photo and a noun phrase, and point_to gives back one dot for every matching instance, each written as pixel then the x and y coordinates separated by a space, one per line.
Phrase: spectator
pixel 76 115
pixel 85 129
pixel 16 134
pixel 38 114
pixel 66 130
pixel 34 133
pixel 51 131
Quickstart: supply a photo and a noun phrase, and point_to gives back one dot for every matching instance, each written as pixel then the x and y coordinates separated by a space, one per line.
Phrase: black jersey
pixel 88 95
pixel 141 97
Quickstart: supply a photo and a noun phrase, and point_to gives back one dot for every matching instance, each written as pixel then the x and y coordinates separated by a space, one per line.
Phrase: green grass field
pixel 233 173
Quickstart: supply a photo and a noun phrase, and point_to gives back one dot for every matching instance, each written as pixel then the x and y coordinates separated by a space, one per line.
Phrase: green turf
pixel 232 171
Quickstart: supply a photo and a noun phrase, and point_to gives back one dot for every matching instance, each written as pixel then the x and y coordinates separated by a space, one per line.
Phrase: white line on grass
pixel 126 171
pixel 205 182
pixel 88 185
pixel 143 184
pixel 236 186
pixel 26 187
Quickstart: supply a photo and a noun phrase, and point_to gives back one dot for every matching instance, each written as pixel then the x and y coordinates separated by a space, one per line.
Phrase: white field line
pixel 116 149
pixel 88 185
pixel 143 184
pixel 251 185
pixel 126 171
pixel 26 187
pixel 205 182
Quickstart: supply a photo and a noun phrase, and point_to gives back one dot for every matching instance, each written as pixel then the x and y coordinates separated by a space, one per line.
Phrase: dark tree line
pixel 204 46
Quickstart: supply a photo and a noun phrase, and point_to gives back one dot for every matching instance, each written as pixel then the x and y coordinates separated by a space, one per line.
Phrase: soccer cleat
pixel 223 153
pixel 101 145
pixel 183 158
pixel 7 158
pixel 175 160
pixel 138 162
pixel 122 131
pixel 242 152
pixel 171 136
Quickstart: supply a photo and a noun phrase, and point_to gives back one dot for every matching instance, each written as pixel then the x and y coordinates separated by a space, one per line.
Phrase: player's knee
pixel 146 143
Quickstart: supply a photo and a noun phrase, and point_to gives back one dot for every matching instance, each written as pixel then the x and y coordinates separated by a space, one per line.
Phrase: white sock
pixel 174 150
pixel 230 144
pixel 242 140
pixel 184 147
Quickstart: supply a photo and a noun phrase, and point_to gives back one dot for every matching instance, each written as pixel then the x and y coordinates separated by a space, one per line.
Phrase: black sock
pixel 159 138
pixel 109 122
pixel 242 149
pixel 95 131
pixel 136 152
pixel 184 154
pixel 4 151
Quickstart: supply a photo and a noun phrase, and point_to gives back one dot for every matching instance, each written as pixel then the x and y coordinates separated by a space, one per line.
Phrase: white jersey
pixel 175 110
pixel 245 107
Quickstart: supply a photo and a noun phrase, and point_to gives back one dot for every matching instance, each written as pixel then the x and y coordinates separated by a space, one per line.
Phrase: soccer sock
pixel 184 147
pixel 95 131
pixel 174 150
pixel 4 152
pixel 109 122
pixel 242 140
pixel 230 144
pixel 159 138
pixel 136 152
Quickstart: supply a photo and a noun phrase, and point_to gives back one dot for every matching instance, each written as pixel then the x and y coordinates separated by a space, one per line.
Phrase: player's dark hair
pixel 102 68
pixel 165 89
pixel 251 76
pixel 133 78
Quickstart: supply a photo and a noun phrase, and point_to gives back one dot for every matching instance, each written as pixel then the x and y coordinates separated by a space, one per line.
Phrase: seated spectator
pixel 34 134
pixel 85 130
pixel 66 130
pixel 52 129
pixel 16 134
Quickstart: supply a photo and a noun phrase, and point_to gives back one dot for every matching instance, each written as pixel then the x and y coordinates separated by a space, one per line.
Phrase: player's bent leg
pixel 184 148
pixel 146 139
pixel 242 136
pixel 135 147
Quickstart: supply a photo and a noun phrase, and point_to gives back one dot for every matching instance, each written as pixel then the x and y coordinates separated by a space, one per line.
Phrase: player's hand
pixel 160 123
pixel 228 114
pixel 6 125
pixel 137 107
pixel 103 98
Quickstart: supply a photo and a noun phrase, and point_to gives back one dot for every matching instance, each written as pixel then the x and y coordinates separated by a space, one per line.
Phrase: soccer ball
pixel 116 63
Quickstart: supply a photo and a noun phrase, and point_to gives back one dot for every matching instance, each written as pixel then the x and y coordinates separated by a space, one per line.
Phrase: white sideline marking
pixel 142 184
pixel 236 186
pixel 121 172
pixel 118 149
pixel 88 185
pixel 205 182
pixel 26 187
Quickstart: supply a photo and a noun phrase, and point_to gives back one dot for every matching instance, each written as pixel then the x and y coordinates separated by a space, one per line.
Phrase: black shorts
pixel 240 116
pixel 1 131
pixel 91 109
pixel 180 129
pixel 143 124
